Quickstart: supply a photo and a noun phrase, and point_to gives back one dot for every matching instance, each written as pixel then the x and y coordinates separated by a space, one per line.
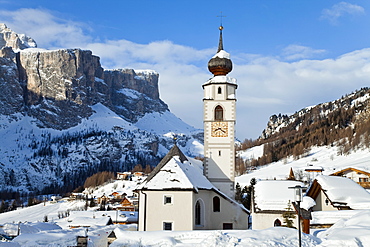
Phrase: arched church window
pixel 216 204
pixel 219 90
pixel 277 222
pixel 219 113
pixel 198 213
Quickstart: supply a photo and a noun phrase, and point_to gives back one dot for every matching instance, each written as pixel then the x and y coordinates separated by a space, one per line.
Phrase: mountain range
pixel 63 118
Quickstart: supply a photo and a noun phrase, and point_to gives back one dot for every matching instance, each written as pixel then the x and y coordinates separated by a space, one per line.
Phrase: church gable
pixel 175 171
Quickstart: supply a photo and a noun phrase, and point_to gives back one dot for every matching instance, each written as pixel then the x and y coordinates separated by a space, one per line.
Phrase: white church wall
pixel 179 212
pixel 229 213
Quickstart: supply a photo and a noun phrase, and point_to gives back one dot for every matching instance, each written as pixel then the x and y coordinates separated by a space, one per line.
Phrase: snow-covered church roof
pixel 176 171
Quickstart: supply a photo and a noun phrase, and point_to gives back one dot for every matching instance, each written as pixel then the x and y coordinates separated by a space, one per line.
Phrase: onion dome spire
pixel 220 43
pixel 220 64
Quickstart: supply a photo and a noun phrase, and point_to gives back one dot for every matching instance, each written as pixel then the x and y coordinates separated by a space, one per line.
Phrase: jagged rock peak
pixel 16 41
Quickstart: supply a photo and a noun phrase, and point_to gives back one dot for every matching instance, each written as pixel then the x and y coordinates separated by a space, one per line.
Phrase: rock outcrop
pixel 58 87
pixel 14 40
pixel 47 90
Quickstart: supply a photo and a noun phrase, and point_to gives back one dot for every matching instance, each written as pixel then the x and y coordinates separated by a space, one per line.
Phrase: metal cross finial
pixel 221 17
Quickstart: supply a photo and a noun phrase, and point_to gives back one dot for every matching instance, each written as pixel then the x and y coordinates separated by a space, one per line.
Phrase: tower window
pixel 219 153
pixel 219 113
pixel 219 90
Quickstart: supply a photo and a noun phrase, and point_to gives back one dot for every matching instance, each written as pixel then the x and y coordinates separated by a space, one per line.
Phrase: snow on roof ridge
pixel 344 190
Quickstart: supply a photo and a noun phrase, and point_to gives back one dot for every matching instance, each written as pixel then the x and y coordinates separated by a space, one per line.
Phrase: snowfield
pixel 346 233
pixel 353 229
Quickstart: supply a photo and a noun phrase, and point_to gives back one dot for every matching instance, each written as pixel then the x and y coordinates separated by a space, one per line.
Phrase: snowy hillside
pixel 325 157
pixel 104 134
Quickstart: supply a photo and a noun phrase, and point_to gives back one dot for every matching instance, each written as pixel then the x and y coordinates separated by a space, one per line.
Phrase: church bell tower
pixel 219 117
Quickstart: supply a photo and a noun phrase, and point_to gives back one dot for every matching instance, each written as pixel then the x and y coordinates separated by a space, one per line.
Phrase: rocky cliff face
pixel 64 117
pixel 58 87
pixel 16 41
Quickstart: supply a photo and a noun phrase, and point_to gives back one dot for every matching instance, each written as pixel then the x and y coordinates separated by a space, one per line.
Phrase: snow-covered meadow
pixel 352 230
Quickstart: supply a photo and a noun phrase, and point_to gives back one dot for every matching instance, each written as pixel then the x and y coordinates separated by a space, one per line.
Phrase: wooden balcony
pixel 365 185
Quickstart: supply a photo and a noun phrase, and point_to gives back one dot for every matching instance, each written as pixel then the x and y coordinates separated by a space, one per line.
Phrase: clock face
pixel 219 129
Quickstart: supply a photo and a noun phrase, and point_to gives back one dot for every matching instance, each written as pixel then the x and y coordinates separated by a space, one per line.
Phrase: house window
pixel 326 201
pixel 216 204
pixel 364 180
pixel 219 91
pixel 167 199
pixel 167 226
pixel 219 153
pixel 277 222
pixel 227 226
pixel 219 113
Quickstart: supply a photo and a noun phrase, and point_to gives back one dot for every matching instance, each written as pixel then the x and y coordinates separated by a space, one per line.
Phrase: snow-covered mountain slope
pixel 325 157
pixel 35 158
pixel 63 118
pixel 351 108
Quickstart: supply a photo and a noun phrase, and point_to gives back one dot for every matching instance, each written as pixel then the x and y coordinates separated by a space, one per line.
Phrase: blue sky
pixel 287 54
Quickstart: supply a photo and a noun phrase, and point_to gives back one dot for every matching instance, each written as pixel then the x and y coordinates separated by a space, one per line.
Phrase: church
pixel 182 193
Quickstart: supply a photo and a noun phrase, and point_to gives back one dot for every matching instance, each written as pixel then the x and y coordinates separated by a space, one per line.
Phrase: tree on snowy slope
pixel 288 216
pixel 98 179
pixel 244 196
pixel 344 122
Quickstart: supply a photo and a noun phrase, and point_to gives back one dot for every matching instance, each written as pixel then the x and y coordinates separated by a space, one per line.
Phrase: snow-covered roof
pixel 222 54
pixel 176 171
pixel 344 191
pixel 314 168
pixel 274 194
pixel 350 169
pixel 331 217
pixel 221 79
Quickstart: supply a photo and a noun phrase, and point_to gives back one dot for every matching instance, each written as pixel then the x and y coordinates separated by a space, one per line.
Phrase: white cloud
pixel 295 52
pixel 266 85
pixel 341 9
pixel 50 31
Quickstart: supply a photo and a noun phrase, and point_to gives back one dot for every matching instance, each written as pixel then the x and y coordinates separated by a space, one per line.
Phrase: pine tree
pixel 288 216
pixel 238 193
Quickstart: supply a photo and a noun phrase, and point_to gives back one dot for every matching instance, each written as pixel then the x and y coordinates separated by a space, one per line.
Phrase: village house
pixel 314 169
pixel 359 176
pixel 123 175
pixel 335 198
pixel 270 201
pixel 87 219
